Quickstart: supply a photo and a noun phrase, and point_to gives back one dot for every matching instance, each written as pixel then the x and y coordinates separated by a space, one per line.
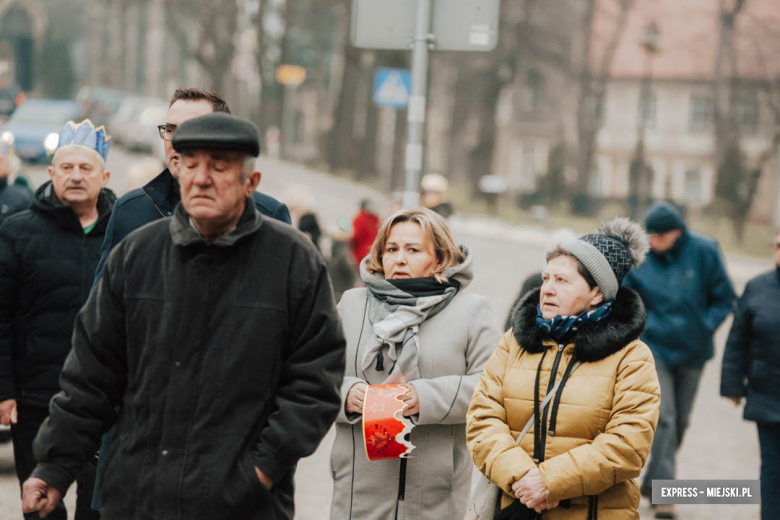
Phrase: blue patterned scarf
pixel 563 328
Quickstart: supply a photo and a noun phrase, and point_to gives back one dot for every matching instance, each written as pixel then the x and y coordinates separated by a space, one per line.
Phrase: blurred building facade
pixel 676 116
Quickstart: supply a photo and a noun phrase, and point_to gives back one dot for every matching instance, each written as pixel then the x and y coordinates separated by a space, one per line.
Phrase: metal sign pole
pixel 416 111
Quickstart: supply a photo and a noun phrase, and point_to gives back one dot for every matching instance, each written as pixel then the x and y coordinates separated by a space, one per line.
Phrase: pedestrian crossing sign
pixel 392 88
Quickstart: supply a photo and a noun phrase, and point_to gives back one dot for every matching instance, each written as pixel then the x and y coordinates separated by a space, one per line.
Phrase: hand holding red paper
pixel 355 397
pixel 411 401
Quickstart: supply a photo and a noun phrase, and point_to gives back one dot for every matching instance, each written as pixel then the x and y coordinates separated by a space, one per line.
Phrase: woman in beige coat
pixel 414 324
pixel 579 458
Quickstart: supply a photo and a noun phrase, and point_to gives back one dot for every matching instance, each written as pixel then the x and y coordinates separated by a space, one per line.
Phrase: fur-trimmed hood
pixel 594 341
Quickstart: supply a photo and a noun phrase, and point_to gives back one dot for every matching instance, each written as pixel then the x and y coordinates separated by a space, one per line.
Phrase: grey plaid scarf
pixel 396 315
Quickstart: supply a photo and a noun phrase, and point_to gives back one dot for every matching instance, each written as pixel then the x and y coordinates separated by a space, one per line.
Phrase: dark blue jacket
pixel 687 294
pixel 751 362
pixel 156 200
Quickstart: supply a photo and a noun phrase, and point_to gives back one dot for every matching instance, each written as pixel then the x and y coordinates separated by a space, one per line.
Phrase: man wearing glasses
pixel 157 199
pixel 48 254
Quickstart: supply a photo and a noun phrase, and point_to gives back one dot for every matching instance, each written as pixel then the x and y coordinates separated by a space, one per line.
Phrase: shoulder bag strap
pixel 544 404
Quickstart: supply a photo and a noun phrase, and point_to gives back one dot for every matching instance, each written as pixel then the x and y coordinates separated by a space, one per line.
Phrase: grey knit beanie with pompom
pixel 610 253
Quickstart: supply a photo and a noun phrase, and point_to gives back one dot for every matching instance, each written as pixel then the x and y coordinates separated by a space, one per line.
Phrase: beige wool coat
pixel 597 438
pixel 455 344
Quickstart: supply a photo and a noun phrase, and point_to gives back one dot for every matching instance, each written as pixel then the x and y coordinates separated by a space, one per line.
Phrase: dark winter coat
pixel 46 268
pixel 687 294
pixel 156 200
pixel 224 357
pixel 13 199
pixel 751 362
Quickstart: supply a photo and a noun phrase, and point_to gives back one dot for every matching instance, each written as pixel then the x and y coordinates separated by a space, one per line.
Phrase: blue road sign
pixel 392 88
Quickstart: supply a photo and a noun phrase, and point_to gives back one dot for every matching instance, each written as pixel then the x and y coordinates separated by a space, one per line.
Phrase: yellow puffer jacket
pixel 596 433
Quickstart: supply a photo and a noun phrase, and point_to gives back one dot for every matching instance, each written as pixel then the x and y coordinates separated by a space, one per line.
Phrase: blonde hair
pixel 435 233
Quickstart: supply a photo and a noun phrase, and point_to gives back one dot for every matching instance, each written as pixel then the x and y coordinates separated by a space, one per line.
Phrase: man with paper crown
pixel 48 254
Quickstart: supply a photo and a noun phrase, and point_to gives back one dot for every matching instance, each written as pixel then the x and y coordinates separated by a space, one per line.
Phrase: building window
pixel 701 113
pixel 532 93
pixel 746 110
pixel 692 186
pixel 647 111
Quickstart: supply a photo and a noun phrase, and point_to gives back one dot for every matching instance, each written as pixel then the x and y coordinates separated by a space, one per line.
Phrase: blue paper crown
pixel 85 134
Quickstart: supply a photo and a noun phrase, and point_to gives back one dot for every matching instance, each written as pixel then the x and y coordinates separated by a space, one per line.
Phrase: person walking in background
pixel 340 267
pixel 751 369
pixel 687 294
pixel 48 256
pixel 414 323
pixel 434 186
pixel 13 199
pixel 593 438
pixel 365 227
pixel 222 387
pixel 301 202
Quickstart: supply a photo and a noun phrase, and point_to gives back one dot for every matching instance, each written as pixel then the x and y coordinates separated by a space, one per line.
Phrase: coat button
pixel 164 453
pixel 169 213
pixel 177 364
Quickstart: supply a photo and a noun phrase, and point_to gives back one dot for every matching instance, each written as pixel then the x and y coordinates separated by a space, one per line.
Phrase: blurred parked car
pixel 99 104
pixel 142 134
pixel 34 127
pixel 127 116
pixel 10 98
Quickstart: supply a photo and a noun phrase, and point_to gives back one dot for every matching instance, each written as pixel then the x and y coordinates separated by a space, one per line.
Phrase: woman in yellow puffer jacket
pixel 579 458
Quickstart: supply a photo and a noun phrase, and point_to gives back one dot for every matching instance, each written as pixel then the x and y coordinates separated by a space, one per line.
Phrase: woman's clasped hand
pixel 531 491
pixel 357 394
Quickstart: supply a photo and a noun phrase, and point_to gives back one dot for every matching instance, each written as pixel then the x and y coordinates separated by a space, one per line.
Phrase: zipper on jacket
pixel 543 426
pixel 401 487
pixel 83 266
pixel 155 204
pixel 557 400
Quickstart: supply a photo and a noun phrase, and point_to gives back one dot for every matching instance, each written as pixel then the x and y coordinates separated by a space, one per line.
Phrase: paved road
pixel 718 445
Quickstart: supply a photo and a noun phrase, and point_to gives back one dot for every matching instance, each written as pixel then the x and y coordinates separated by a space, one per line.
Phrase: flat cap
pixel 218 130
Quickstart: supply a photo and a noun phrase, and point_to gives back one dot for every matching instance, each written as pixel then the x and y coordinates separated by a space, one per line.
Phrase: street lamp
pixel 651 43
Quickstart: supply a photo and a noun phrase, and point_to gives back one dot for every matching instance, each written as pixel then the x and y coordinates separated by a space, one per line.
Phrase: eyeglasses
pixel 166 132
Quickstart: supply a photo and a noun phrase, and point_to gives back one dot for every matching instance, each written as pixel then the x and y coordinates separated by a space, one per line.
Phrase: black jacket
pixel 751 361
pixel 223 357
pixel 13 199
pixel 46 268
pixel 156 200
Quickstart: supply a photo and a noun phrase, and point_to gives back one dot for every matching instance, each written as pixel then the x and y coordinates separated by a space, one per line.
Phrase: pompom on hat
pixel 610 253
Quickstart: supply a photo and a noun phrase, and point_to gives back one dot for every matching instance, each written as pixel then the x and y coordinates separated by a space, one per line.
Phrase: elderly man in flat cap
pixel 217 333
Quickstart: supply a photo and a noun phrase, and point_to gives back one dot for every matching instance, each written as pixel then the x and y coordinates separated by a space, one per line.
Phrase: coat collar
pixel 184 234
pixel 47 202
pixel 164 192
pixel 594 341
